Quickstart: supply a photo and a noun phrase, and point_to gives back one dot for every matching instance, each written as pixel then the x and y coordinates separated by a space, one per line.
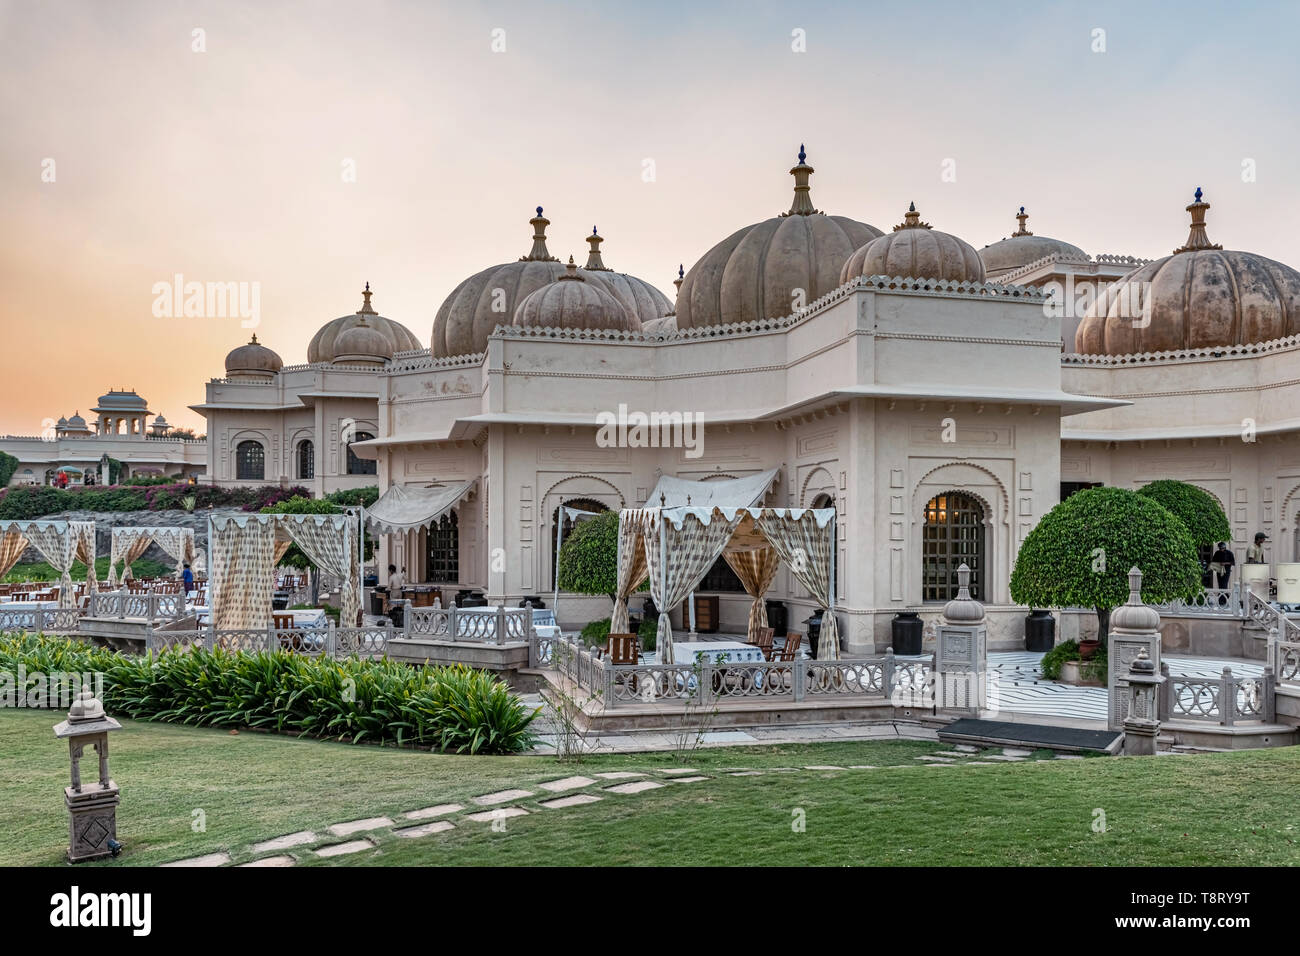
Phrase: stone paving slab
pixel 425 829
pixel 823 767
pixel 745 773
pixel 930 759
pixel 1002 757
pixel 285 842
pixel 568 783
pixel 342 849
pixel 979 763
pixel 1016 752
pixel 678 770
pixel 576 800
pixel 441 810
pixel 211 859
pixel 360 826
pixel 501 796
pixel 689 779
pixel 960 754
pixel 282 860
pixel 619 775
pixel 966 748
pixel 636 787
pixel 862 766
pixel 502 813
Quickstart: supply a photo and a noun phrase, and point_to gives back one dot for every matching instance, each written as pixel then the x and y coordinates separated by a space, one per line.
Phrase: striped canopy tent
pixel 59 542
pixel 242 554
pixel 129 544
pixel 407 507
pixel 675 547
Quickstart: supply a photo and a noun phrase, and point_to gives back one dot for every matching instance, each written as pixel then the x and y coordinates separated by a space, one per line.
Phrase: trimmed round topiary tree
pixel 589 556
pixel 1080 553
pixel 1195 507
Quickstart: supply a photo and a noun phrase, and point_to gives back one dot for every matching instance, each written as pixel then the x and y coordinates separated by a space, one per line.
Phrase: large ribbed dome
pixel 362 344
pixel 489 298
pixel 574 301
pixel 1201 296
pixel 916 250
pixel 756 272
pixel 1022 248
pixel 253 360
pixel 324 344
pixel 642 300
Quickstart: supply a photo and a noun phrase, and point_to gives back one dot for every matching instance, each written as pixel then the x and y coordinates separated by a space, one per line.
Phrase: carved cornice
pixel 1182 355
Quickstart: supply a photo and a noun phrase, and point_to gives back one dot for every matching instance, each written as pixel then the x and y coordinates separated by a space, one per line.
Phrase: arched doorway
pixel 953 535
pixel 442 550
pixel 581 504
pixel 250 461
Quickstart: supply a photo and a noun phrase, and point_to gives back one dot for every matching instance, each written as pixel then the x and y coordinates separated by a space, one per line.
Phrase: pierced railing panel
pixel 361 641
pixel 1222 700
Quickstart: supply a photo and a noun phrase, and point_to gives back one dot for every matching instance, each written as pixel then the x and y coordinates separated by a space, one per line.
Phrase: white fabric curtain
pixel 178 543
pixel 126 546
pixel 631 566
pixel 804 543
pixel 84 551
pixel 56 543
pixel 330 544
pixel 677 561
pixel 756 570
pixel 241 578
pixel 12 546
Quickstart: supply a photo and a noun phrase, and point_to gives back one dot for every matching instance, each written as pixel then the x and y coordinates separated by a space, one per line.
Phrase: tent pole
pixel 559 538
pixel 692 606
pixel 361 560
pixel 663 576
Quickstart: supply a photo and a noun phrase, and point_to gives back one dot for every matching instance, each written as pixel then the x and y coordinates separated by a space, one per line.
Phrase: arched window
pixel 953 535
pixel 443 550
pixel 306 459
pixel 581 504
pixel 250 461
pixel 361 466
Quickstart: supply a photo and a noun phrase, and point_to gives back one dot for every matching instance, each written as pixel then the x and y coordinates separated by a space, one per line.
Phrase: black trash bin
pixel 814 625
pixel 397 614
pixel 906 632
pixel 534 600
pixel 777 617
pixel 280 601
pixel 1040 630
pixel 377 600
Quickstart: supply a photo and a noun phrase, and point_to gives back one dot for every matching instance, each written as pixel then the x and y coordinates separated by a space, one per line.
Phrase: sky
pixel 301 149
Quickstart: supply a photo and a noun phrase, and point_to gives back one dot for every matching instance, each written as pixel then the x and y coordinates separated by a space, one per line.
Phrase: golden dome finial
pixel 1022 218
pixel 253 340
pixel 912 220
pixel 539 252
pixel 571 272
pixel 802 205
pixel 594 262
pixel 1197 238
pixel 365 305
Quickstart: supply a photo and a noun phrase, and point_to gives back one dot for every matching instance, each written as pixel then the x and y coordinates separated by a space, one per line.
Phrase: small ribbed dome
pixel 573 302
pixel 1201 296
pixel 768 269
pixel 362 344
pixel 159 420
pixel 61 423
pixel 488 298
pixel 324 344
pixel 253 360
pixel 916 250
pixel 640 298
pixel 76 421
pixel 1022 248
pixel 125 400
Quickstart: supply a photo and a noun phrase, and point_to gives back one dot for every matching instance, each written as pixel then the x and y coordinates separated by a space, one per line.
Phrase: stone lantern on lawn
pixel 961 653
pixel 1142 723
pixel 92 808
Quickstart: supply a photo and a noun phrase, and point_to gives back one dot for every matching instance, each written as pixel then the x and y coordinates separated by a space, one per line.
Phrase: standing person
pixel 1255 553
pixel 1222 563
pixel 395 580
pixel 188 577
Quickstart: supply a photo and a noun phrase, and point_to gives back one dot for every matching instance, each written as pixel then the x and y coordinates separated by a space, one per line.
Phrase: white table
pixel 27 605
pixel 734 651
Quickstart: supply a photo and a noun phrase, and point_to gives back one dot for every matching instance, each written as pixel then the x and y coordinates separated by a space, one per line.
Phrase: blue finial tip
pixel 1022 210
pixel 539 210
pixel 593 230
pixel 681 272
pixel 802 154
pixel 911 207
pixel 1198 193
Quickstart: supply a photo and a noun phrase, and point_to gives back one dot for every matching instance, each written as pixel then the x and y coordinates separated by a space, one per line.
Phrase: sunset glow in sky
pixel 667 125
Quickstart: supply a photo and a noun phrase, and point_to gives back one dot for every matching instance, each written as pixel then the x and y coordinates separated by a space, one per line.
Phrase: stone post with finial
pixel 1134 630
pixel 961 653
pixel 1142 722
pixel 92 807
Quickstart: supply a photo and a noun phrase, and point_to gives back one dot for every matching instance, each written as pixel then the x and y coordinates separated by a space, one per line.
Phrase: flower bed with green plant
pixel 37 501
pixel 455 709
pixel 1093 669
pixel 41 571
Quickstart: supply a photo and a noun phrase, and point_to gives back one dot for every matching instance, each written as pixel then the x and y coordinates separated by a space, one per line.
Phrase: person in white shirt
pixel 396 579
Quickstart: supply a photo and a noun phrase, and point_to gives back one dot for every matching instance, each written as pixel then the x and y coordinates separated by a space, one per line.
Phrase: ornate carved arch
pixel 1006 500
pixel 613 489
pixel 803 490
pixel 1286 513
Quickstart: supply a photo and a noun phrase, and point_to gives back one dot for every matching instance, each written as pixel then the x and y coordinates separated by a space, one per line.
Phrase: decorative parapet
pixel 1182 355
pixel 422 360
pixel 1066 258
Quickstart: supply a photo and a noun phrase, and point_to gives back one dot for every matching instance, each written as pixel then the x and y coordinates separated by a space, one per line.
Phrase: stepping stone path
pixel 688 779
pixel 501 796
pixel 940 760
pixel 285 842
pixel 1002 757
pixel 424 829
pixel 342 849
pixel 212 859
pixel 441 810
pixel 679 770
pixel 619 775
pixel 967 749
pixel 952 753
pixel 360 826
pixel 487 816
pixel 637 787
pixel 577 800
pixel 1016 752
pixel 568 783
pixel 823 768
pixel 862 766
pixel 284 860
pixel 745 773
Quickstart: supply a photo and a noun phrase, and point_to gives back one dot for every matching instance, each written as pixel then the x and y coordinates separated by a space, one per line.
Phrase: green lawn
pixel 1226 809
pixel 42 571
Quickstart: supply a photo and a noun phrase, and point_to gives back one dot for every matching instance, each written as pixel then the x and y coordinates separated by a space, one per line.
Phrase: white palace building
pixel 941 398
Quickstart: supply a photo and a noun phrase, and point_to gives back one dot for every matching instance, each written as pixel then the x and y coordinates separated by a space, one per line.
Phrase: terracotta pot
pixel 1087 649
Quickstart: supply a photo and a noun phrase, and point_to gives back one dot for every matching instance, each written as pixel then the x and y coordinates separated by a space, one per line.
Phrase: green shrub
pixel 1094 669
pixel 1198 510
pixel 380 701
pixel 8 465
pixel 41 571
pixel 145 480
pixel 595 632
pixel 649 633
pixel 366 496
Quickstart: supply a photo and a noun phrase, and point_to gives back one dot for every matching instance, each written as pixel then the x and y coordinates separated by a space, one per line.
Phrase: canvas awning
pixel 718 493
pixel 404 507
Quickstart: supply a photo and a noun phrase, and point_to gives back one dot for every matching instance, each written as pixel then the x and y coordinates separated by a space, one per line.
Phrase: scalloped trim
pixel 1181 355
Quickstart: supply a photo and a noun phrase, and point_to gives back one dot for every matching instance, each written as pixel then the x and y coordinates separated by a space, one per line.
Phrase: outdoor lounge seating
pixel 792 641
pixel 763 639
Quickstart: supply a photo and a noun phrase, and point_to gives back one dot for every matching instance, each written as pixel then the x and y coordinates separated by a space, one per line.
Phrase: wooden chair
pixel 285 622
pixel 792 641
pixel 763 641
pixel 624 649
